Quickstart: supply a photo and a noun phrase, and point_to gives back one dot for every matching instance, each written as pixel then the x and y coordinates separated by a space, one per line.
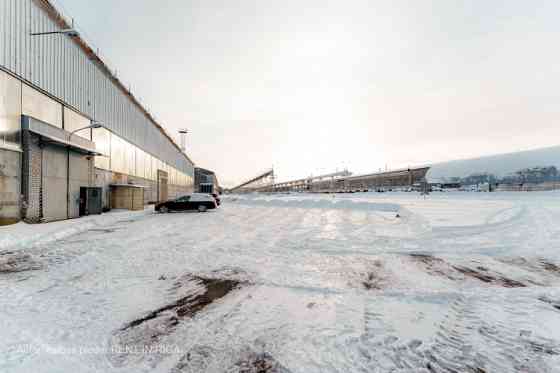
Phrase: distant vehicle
pixel 217 198
pixel 196 201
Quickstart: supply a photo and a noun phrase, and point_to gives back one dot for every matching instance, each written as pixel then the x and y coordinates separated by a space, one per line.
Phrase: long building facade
pixel 51 86
pixel 344 181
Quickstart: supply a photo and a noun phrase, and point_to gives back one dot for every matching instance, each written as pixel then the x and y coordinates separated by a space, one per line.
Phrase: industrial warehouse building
pixel 51 86
pixel 387 180
pixel 335 182
pixel 205 181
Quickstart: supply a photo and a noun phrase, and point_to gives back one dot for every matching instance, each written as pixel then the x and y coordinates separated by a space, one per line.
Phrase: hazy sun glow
pixel 312 86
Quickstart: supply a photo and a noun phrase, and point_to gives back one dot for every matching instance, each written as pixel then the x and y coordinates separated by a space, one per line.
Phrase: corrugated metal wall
pixel 56 64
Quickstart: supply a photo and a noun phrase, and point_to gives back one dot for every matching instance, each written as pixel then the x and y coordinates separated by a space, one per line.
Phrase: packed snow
pixel 364 282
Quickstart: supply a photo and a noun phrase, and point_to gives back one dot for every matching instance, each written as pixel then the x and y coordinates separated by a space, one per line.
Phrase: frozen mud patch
pixel 140 336
pixel 538 265
pixel 552 302
pixel 434 266
pixel 358 272
pixel 204 359
pixel 483 274
pixel 550 267
pixel 376 278
pixel 544 348
pixel 11 262
pixel 439 267
pixel 258 363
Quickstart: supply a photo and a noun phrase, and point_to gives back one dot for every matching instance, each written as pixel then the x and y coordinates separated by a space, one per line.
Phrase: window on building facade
pixel 102 139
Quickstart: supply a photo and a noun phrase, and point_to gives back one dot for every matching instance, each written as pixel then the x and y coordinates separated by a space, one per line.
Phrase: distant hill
pixel 499 165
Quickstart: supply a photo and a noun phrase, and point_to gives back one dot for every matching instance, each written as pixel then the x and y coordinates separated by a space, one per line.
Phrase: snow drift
pixel 319 203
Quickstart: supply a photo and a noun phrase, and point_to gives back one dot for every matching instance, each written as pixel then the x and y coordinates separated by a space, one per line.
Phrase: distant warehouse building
pixel 205 181
pixel 51 86
pixel 388 180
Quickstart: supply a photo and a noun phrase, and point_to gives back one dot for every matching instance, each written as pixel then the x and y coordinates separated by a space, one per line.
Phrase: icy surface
pixel 459 282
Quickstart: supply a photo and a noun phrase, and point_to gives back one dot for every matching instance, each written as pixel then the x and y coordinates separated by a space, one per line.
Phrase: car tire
pixel 202 208
pixel 164 210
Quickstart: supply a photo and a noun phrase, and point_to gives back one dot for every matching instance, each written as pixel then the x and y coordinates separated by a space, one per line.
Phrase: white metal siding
pixel 56 64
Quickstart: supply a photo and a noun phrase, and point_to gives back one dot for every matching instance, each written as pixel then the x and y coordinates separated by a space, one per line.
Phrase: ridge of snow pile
pixel 318 203
pixel 23 235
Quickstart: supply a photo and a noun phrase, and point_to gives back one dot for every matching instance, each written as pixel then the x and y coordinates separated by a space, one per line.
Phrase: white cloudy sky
pixel 310 86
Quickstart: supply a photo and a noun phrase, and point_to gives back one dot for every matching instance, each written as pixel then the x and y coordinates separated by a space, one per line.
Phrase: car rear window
pixel 201 198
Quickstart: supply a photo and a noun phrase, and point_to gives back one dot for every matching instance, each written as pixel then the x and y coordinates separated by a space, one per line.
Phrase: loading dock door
pixel 162 186
pixel 54 182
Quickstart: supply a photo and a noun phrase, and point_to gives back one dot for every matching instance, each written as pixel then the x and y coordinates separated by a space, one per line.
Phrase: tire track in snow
pixel 476 335
pixel 481 229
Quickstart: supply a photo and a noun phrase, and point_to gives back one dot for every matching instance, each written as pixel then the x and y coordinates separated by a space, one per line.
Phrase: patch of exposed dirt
pixel 372 282
pixel 203 358
pixel 196 360
pixel 553 303
pixel 437 365
pixel 539 265
pixel 258 363
pixel 143 332
pixel 11 262
pixel 542 348
pixel 192 304
pixel 484 275
pixel 439 267
pixel 375 279
pixel 550 267
pixel 434 266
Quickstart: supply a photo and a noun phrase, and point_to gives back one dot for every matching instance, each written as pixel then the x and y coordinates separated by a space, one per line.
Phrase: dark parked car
pixel 196 201
pixel 217 198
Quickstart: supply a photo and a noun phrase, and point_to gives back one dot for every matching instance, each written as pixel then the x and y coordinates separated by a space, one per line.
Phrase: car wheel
pixel 202 208
pixel 164 210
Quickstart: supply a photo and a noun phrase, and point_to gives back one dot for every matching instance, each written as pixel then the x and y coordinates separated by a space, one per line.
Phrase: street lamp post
pixel 70 32
pixel 73 33
pixel 92 126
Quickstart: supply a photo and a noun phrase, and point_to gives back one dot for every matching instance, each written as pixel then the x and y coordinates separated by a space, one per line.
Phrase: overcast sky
pixel 311 86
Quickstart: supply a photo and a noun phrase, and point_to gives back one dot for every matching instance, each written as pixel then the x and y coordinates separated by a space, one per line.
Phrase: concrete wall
pixel 10 185
pixel 49 190
pixel 104 179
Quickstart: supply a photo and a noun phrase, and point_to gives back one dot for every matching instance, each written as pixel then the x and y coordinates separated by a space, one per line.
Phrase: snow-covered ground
pixel 459 282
